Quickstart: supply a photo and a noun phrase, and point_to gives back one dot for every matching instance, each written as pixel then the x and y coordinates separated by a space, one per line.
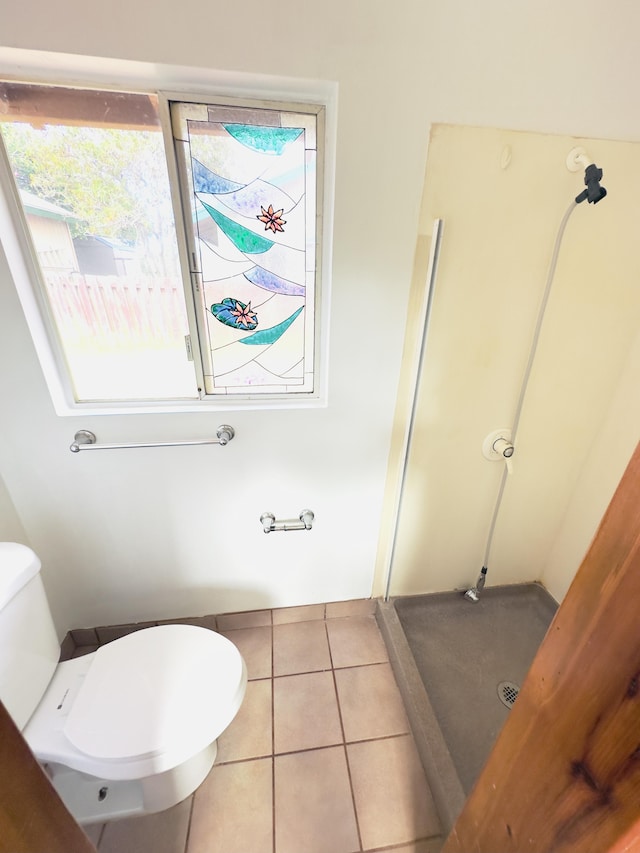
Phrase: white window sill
pixel 64 408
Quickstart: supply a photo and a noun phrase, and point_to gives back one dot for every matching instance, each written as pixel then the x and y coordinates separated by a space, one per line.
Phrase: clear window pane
pixel 91 174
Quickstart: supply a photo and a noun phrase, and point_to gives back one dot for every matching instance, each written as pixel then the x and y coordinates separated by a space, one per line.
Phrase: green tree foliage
pixel 114 181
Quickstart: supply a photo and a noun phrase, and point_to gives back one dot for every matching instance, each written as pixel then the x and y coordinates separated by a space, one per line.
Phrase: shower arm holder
pixel 303 522
pixel 497 446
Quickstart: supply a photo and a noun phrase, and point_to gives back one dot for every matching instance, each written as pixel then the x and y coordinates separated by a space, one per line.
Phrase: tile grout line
pixel 344 740
pixel 394 736
pixel 328 668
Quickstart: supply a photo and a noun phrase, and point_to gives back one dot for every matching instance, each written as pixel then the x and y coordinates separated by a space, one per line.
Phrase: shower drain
pixel 508 693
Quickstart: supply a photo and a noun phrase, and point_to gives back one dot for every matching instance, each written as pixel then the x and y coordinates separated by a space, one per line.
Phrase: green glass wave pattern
pixel 241 237
pixel 268 140
pixel 270 336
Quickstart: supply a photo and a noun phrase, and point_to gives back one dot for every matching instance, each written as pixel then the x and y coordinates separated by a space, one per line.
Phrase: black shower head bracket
pixel 594 192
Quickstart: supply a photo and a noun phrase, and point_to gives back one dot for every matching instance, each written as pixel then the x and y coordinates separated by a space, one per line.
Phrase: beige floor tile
pixel 314 773
pixel 354 607
pixel 164 832
pixel 233 810
pixel 356 641
pixel 305 712
pixel 250 733
pixel 298 614
pixel 300 647
pixel 313 806
pixel 370 702
pixel 248 619
pixel 393 801
pixel 254 645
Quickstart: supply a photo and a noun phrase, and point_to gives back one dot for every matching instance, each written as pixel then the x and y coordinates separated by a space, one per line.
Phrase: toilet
pixel 128 729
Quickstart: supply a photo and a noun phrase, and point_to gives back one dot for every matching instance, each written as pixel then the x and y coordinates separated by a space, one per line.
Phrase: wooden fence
pixel 123 311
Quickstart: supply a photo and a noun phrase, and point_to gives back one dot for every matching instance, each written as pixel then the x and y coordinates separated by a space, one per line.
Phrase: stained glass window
pixel 177 244
pixel 249 182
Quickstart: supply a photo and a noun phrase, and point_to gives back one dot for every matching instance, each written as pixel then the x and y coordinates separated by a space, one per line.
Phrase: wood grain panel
pixel 565 772
pixel 33 818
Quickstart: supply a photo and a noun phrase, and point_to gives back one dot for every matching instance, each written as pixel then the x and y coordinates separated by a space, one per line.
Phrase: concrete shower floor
pixel 450 655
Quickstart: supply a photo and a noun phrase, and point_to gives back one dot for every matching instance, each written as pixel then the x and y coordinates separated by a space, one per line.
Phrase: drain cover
pixel 508 693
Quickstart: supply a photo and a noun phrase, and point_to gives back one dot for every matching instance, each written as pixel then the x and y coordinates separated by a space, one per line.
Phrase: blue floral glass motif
pixel 234 313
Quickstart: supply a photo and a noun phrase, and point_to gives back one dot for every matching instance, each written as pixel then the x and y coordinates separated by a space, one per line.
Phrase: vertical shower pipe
pixel 593 194
pixel 527 375
pixel 425 316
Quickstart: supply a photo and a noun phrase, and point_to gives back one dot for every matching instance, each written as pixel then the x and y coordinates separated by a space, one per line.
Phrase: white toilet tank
pixel 29 648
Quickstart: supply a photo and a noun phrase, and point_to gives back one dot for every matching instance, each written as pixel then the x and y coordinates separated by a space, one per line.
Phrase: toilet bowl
pixel 128 729
pixel 132 727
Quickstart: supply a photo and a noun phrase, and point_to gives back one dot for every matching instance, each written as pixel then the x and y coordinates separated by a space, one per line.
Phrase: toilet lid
pixel 168 689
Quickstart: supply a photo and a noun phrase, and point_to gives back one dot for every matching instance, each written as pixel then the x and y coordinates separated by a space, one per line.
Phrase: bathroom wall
pixel 598 478
pixel 161 533
pixel 502 196
pixel 11 529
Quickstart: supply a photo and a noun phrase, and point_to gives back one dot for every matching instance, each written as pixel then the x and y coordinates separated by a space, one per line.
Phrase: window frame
pixel 25 269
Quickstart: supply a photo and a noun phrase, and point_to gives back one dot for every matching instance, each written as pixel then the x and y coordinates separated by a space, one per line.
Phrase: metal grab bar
pixel 84 439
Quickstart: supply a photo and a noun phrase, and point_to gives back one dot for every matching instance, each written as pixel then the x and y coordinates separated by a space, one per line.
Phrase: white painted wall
pixel 11 529
pixel 174 532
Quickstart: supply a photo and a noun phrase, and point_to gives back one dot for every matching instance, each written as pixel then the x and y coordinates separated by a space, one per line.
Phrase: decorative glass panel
pixel 250 175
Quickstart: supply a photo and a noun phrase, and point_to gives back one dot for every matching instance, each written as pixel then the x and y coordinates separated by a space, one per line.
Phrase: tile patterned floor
pixel 319 759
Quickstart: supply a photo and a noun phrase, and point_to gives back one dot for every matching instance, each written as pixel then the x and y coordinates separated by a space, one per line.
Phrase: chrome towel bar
pixel 84 439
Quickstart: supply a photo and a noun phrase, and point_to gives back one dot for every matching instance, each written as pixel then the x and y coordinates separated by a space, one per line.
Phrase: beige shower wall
pixel 502 196
pixel 598 478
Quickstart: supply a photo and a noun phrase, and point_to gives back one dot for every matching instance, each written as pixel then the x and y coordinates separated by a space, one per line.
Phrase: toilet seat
pixel 148 702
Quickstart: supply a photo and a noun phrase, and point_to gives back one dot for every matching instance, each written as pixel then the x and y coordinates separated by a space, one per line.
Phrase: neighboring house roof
pixel 41 207
pixel 117 247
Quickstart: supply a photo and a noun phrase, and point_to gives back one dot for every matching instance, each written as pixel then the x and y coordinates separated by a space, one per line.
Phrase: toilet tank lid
pixel 18 564
pixel 164 690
